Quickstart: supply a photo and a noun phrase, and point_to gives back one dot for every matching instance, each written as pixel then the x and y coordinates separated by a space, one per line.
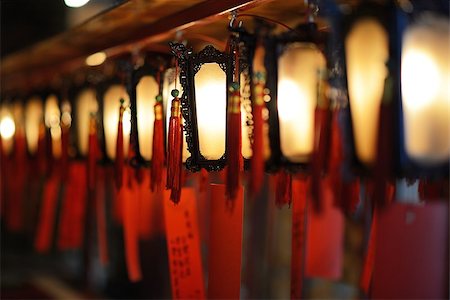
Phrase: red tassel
pixel 119 148
pixel 283 189
pixel 234 146
pixel 92 154
pixel 158 148
pixel 369 260
pixel 174 154
pixel 64 152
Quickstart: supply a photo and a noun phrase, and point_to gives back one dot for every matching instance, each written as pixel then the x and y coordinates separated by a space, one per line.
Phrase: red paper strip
pixel 129 194
pixel 225 245
pixel 324 246
pixel 100 212
pixel 74 208
pixel 44 234
pixel 183 246
pixel 411 254
pixel 299 204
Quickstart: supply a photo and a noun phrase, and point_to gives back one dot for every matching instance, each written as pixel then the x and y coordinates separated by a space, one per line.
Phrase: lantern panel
pixel 52 121
pixel 86 104
pixel 111 105
pixel 210 97
pixel 425 75
pixel 168 86
pixel 298 69
pixel 245 115
pixel 34 117
pixel 367 51
pixel 146 91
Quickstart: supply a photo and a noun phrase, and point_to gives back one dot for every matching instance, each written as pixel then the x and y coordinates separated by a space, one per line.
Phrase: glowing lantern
pixel 367 52
pixel 298 69
pixel 34 118
pixel 425 82
pixel 52 121
pixel 85 105
pixel 7 128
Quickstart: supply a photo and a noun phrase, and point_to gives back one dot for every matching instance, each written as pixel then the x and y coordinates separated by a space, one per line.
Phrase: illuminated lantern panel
pixel 168 86
pixel 111 105
pixel 210 97
pixel 7 129
pixel 425 75
pixel 86 104
pixel 367 51
pixel 52 121
pixel 246 145
pixel 298 69
pixel 34 117
pixel 146 91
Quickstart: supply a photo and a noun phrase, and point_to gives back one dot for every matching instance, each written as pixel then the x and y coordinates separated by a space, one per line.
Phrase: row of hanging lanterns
pixel 285 77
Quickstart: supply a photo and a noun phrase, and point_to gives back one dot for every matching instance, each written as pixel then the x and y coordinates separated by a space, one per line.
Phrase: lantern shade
pixel 86 103
pixel 146 91
pixel 52 121
pixel 34 117
pixel 7 128
pixel 366 51
pixel 168 86
pixel 425 81
pixel 111 105
pixel 298 69
pixel 211 98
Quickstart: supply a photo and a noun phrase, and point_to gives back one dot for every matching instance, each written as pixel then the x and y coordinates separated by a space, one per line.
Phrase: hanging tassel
pixel 174 154
pixel 158 147
pixel 283 189
pixel 119 148
pixel 259 84
pixel 321 141
pixel 64 152
pixel 369 259
pixel 92 154
pixel 234 140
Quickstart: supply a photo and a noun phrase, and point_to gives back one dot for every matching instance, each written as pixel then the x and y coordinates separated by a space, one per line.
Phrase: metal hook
pixel 233 20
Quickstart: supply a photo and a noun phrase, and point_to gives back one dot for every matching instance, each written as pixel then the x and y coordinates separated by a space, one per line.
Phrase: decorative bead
pixel 158 98
pixel 122 101
pixel 175 93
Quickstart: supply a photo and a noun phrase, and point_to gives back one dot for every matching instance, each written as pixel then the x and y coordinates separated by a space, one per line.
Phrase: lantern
pixel 52 122
pixel 366 54
pixel 34 118
pixel 204 77
pixel 146 88
pixel 111 96
pixel 85 105
pixel 296 68
pixel 425 81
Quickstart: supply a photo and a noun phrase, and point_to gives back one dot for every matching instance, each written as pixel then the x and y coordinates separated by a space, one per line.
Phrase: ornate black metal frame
pixel 275 45
pixel 190 63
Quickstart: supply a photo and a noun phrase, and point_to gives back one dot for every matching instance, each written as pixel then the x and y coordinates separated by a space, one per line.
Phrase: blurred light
pixel 425 82
pixel 96 59
pixel 66 117
pixel 34 118
pixel 366 50
pixel 7 127
pixel 75 3
pixel 86 103
pixel 146 91
pixel 52 120
pixel 298 70
pixel 111 105
pixel 210 98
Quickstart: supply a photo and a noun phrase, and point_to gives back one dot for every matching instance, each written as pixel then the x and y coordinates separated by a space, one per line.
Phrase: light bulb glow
pixel 367 51
pixel 210 98
pixel 34 118
pixel 425 74
pixel 75 3
pixel 298 69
